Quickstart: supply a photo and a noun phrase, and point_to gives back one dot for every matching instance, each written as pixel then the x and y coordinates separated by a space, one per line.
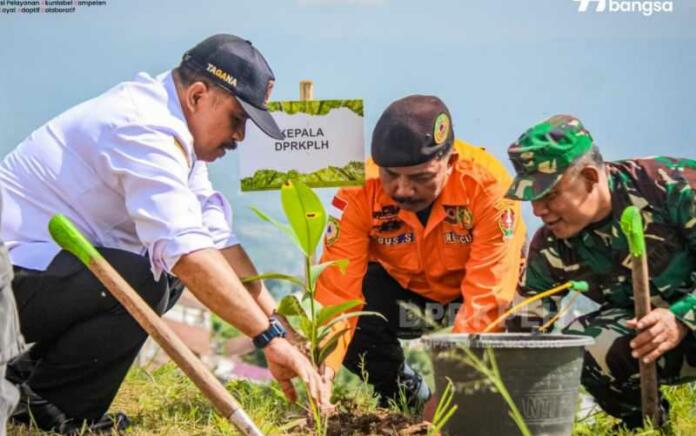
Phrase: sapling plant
pixel 318 328
pixel 444 409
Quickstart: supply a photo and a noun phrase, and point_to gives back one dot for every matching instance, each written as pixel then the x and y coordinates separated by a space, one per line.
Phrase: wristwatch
pixel 275 330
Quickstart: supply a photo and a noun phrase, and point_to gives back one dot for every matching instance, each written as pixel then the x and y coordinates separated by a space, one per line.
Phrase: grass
pixel 164 402
pixel 682 417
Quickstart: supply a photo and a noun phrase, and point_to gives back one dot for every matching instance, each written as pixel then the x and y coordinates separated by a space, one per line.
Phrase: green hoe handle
pixel 64 232
pixel 632 227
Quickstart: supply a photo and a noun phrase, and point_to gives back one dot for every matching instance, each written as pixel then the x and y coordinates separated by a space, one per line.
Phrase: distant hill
pixel 350 175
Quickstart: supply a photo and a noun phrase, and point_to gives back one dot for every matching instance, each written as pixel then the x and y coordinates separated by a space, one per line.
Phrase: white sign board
pixel 323 146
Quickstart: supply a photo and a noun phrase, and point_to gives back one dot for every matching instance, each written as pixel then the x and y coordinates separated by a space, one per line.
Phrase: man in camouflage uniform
pixel 580 199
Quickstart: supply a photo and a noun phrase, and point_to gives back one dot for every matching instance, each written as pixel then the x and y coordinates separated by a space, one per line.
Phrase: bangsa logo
pixel 645 7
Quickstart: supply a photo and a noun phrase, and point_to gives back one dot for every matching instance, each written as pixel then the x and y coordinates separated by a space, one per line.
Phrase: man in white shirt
pixel 129 169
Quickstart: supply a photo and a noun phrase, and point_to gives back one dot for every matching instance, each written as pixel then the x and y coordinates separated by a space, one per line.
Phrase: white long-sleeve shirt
pixel 122 167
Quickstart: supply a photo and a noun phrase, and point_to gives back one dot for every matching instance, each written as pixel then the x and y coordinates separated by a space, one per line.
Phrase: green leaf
pixel 443 411
pixel 305 326
pixel 296 324
pixel 276 276
pixel 328 312
pixel 280 226
pixel 349 315
pixel 290 306
pixel 322 332
pixel 316 270
pixel 326 349
pixel 305 213
pixel 307 304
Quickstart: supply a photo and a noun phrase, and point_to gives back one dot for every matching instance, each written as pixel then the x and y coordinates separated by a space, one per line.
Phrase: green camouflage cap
pixel 543 153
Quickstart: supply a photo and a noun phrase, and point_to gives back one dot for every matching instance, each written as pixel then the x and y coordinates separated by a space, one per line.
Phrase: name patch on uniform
pixel 458 238
pixel 459 215
pixel 404 238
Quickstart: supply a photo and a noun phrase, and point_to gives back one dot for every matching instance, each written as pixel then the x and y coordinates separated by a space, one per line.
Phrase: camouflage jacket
pixel 664 190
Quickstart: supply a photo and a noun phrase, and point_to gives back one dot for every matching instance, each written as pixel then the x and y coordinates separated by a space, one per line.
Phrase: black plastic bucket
pixel 541 373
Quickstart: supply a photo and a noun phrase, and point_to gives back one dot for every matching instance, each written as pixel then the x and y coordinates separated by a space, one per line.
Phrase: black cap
pixel 235 65
pixel 412 131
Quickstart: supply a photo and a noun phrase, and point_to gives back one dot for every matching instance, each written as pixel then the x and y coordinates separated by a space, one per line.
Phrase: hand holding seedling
pixel 317 328
pixel 327 375
pixel 285 362
pixel 660 331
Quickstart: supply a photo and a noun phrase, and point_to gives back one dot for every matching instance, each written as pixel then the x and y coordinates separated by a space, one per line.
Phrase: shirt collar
pixel 610 225
pixel 174 107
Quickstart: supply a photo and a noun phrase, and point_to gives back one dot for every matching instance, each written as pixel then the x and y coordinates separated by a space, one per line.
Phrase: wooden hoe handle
pixel 632 226
pixel 69 238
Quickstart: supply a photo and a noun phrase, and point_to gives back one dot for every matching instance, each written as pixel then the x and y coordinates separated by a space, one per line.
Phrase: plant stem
pixel 493 375
pixel 320 424
pixel 498 381
pixel 313 319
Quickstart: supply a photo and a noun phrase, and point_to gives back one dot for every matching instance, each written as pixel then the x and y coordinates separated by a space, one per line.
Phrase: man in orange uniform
pixel 433 230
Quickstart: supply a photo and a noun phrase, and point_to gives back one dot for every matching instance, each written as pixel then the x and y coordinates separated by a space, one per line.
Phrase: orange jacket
pixel 471 246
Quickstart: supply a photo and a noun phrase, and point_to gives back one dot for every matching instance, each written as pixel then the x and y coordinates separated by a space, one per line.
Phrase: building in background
pixel 193 323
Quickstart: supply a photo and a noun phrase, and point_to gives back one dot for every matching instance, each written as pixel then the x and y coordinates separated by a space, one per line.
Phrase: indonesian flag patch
pixel 338 205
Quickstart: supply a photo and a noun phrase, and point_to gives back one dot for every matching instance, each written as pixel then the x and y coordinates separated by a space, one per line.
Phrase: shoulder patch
pixel 506 222
pixel 332 231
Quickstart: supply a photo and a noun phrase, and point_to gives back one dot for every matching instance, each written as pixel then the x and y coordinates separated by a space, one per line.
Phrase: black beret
pixel 411 131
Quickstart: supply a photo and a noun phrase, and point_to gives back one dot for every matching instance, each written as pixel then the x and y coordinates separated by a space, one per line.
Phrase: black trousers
pixel 375 347
pixel 85 341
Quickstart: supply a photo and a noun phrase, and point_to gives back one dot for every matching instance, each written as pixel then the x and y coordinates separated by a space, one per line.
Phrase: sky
pixel 499 65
